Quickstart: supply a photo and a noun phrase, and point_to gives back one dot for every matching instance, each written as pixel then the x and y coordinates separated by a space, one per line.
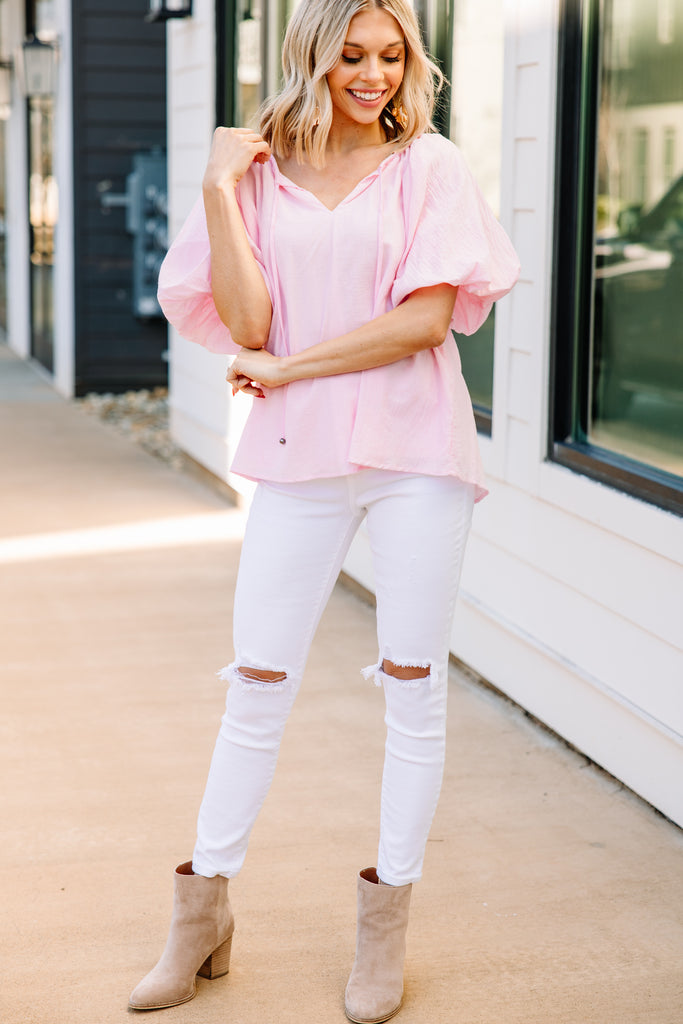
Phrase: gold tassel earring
pixel 399 113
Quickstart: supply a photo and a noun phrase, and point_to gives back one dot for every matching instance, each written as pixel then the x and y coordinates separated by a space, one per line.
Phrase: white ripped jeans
pixel 295 542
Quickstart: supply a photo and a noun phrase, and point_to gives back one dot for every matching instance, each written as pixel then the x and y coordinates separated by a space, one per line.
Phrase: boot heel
pixel 217 963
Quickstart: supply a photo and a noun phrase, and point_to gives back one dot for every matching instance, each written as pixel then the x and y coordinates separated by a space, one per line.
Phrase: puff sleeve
pixel 452 235
pixel 184 291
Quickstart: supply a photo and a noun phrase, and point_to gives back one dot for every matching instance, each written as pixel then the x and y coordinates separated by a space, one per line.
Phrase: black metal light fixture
pixel 164 10
pixel 5 89
pixel 39 67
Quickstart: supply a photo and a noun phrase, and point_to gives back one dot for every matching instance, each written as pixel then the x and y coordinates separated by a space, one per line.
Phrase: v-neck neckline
pixel 364 182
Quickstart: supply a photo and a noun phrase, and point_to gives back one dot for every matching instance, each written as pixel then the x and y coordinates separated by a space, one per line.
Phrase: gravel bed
pixel 142 416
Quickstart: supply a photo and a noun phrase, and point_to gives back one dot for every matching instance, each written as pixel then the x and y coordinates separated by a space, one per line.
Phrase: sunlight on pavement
pixel 140 536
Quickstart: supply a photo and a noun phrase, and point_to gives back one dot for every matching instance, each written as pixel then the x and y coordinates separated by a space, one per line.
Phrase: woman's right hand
pixel 233 151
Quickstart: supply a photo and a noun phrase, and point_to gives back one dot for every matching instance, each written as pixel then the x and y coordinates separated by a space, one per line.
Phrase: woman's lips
pixel 367 97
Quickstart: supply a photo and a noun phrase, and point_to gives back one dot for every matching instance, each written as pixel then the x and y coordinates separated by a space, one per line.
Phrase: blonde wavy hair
pixel 298 119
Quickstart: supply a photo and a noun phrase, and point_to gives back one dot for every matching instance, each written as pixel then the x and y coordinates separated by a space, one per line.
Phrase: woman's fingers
pixel 233 150
pixel 255 371
pixel 245 384
pixel 249 388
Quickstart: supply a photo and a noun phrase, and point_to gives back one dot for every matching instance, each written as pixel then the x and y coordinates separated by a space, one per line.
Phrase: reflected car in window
pixel 638 343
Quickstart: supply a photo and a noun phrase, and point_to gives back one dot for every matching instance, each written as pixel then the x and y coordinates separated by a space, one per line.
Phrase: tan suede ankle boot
pixel 375 989
pixel 199 942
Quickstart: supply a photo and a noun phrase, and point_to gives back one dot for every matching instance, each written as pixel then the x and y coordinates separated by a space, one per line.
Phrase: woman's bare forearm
pixel 239 290
pixel 420 322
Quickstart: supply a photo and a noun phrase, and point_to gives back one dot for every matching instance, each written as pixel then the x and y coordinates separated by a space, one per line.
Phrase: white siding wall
pixel 203 422
pixel 571 595
pixel 18 243
pixel 571 592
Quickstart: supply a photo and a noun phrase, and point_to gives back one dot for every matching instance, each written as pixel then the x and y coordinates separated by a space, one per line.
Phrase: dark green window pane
pixel 635 405
pixel 476 354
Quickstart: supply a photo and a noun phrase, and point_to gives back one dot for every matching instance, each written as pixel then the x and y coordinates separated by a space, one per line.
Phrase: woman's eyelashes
pixel 357 60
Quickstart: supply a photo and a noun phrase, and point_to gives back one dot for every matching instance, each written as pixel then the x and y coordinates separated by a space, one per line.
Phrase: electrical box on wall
pixel 146 203
pixel 147 221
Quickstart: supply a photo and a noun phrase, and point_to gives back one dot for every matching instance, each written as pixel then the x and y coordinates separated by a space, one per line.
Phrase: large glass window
pixel 5 110
pixel 42 220
pixel 619 308
pixel 476 117
pixel 3 228
pixel 466 37
pixel 249 60
pixel 250 34
pixel 42 200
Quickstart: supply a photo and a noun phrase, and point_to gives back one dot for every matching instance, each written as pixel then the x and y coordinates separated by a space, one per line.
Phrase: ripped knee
pixel 260 675
pixel 405 671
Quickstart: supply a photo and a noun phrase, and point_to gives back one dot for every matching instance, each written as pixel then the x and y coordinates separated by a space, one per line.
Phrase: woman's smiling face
pixel 371 69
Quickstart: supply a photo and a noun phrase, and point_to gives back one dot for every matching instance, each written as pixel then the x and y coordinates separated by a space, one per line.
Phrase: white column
pixel 64 314
pixel 203 421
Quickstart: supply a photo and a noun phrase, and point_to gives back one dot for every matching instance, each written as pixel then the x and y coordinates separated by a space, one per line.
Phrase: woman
pixel 333 250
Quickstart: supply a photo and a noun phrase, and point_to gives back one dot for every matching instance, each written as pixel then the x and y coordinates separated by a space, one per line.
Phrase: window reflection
pixel 249 61
pixel 3 222
pixel 44 16
pixel 4 114
pixel 637 361
pixel 42 184
pixel 43 214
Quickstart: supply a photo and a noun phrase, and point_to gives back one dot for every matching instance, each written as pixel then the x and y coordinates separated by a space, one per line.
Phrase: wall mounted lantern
pixel 39 68
pixel 163 10
pixel 5 89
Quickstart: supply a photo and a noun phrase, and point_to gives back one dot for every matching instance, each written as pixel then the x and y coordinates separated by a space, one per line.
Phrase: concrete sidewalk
pixel 551 894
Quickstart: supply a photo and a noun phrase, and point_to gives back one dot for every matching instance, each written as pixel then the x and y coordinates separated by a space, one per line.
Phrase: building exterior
pixel 72 295
pixel 570 113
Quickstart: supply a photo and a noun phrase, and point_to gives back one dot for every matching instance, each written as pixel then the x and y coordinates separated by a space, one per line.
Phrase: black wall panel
pixel 119 108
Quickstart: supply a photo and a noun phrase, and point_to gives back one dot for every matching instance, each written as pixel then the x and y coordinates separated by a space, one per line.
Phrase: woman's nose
pixel 372 71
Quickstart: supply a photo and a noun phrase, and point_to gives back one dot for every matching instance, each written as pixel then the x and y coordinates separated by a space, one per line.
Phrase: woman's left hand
pixel 255 369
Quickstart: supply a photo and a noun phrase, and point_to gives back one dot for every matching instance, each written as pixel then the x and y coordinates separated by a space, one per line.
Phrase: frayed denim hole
pixel 380 677
pixel 232 675
pixel 373 672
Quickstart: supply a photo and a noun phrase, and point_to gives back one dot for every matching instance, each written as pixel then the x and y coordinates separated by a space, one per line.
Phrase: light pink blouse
pixel 418 220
